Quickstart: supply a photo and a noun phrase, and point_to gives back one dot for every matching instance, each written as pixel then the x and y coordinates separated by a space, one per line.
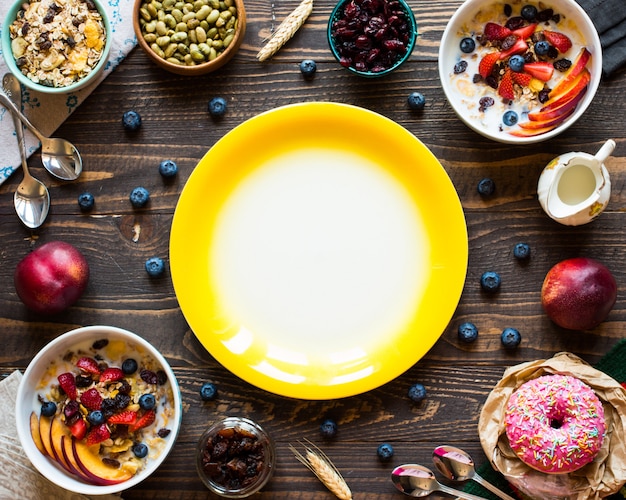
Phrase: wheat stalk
pixel 317 462
pixel 286 30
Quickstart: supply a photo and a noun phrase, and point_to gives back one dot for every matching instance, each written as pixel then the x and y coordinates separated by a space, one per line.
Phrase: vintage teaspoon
pixel 419 481
pixel 59 157
pixel 457 465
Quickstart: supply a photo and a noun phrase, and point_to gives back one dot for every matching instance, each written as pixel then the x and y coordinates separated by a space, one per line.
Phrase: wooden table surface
pixel 117 239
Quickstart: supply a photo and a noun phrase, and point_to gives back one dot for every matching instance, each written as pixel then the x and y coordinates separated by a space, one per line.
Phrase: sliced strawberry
pixel 519 47
pixel 127 417
pixel 522 79
pixel 111 375
pixel 561 42
pixel 79 429
pixel 68 384
pixel 505 89
pixel 144 421
pixel 494 32
pixel 91 399
pixel 97 434
pixel 540 70
pixel 525 31
pixel 88 365
pixel 485 67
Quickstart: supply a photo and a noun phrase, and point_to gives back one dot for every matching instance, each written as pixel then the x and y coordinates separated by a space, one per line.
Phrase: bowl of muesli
pixel 56 47
pixel 520 71
pixel 98 410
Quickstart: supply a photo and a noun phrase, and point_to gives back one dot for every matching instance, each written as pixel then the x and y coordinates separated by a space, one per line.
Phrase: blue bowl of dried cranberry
pixel 372 38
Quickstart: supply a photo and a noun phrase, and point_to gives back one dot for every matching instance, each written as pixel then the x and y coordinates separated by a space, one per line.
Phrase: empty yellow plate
pixel 318 250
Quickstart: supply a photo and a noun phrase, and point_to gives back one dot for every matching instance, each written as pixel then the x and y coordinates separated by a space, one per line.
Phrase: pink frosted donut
pixel 555 423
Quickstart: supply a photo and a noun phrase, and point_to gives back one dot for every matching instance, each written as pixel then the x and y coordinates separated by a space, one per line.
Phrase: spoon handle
pixel 459 494
pixel 13 109
pixel 491 487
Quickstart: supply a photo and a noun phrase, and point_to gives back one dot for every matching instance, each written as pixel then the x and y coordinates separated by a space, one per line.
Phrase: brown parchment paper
pixel 602 477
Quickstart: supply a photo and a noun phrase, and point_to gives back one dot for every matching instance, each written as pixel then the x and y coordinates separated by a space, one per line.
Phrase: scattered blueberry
pixel 139 197
pixel 129 366
pixel 384 452
pixel 168 169
pixel 86 201
pixel 529 12
pixel 95 417
pixel 131 120
pixel 509 118
pixel 155 266
pixel 140 450
pixel 328 428
pixel 467 45
pixel 217 106
pixel 416 101
pixel 516 63
pixel 48 408
pixel 417 392
pixel 308 67
pixel 147 401
pixel 208 391
pixel 486 187
pixel 468 332
pixel 490 281
pixel 521 251
pixel 542 48
pixel 510 338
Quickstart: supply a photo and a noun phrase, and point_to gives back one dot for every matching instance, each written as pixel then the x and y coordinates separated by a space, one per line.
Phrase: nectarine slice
pixel 68 455
pixel 44 431
pixel 90 463
pixel 526 132
pixel 57 431
pixel 560 110
pixel 34 432
pixel 550 122
pixel 570 92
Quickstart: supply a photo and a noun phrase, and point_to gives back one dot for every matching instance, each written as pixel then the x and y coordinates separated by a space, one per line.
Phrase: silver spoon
pixel 457 465
pixel 59 157
pixel 419 481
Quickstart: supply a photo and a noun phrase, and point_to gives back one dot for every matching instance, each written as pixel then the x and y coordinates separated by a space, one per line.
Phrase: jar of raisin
pixel 235 457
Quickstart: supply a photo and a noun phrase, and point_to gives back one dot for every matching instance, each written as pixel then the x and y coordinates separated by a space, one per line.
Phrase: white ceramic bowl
pixel 27 397
pixel 464 95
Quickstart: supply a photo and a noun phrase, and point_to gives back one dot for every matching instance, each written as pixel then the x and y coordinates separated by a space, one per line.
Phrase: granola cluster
pixel 57 42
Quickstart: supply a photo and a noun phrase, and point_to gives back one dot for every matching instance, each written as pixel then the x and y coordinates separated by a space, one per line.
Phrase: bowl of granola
pixel 56 47
pixel 520 71
pixel 98 410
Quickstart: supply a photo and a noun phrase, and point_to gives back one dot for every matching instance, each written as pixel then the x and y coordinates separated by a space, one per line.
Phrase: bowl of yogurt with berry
pixel 98 410
pixel 520 71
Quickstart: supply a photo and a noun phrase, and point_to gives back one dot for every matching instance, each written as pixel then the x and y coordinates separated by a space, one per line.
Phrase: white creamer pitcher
pixel 575 188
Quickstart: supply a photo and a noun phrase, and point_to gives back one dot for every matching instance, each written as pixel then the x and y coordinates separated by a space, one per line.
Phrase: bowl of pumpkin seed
pixel 189 37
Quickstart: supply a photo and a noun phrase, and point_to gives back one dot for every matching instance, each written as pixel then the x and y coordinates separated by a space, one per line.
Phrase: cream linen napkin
pixel 48 112
pixel 18 477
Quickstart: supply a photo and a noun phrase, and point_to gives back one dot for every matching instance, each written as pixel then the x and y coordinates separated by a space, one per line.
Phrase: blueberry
pixel 516 63
pixel 140 450
pixel 384 452
pixel 486 187
pixel 510 338
pixel 308 67
pixel 147 401
pixel 542 48
pixel 168 169
pixel 490 281
pixel 217 106
pixel 521 251
pixel 468 332
pixel 328 428
pixel 416 101
pixel 208 391
pixel 131 120
pixel 48 408
pixel 85 201
pixel 129 366
pixel 139 197
pixel 509 118
pixel 468 45
pixel 417 392
pixel 155 266
pixel 529 12
pixel 95 417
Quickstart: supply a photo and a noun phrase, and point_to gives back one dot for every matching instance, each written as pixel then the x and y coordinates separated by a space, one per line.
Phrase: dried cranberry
pixel 515 22
pixel 508 42
pixel 562 64
pixel 163 432
pixel 508 10
pixel 485 102
pixel 161 377
pixel 83 381
pixel 545 15
pixel 460 67
pixel 543 95
pixel 148 376
pixel 99 344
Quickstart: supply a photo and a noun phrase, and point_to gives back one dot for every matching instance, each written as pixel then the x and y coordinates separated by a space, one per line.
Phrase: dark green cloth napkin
pixel 613 364
pixel 609 18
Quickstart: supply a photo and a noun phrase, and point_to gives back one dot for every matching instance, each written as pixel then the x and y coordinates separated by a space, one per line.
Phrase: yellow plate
pixel 318 250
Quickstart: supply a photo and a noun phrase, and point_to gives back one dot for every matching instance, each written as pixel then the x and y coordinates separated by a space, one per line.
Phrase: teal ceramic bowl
pixel 378 46
pixel 7 54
